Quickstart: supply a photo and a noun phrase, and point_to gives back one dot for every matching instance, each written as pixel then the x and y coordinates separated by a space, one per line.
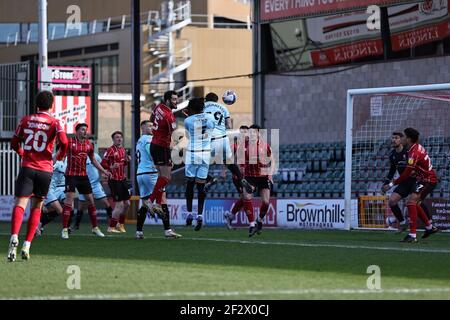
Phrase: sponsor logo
pixel 315 215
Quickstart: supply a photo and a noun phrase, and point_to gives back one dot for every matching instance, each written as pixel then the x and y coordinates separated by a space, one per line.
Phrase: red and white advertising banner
pixel 347 52
pixel 278 9
pixel 416 24
pixel 71 110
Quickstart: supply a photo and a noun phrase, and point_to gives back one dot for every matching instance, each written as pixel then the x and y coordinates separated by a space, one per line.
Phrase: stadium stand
pixel 317 170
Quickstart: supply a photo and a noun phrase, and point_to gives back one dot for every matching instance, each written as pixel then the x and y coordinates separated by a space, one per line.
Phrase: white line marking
pixel 278 243
pixel 148 295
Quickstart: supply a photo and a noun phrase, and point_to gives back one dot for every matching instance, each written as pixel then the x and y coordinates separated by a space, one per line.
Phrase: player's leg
pixel 232 166
pixel 423 193
pixel 146 184
pixel 23 191
pixel 393 201
pixel 49 213
pixel 20 203
pixel 190 170
pixel 161 157
pixel 107 206
pixel 124 196
pixel 92 213
pixel 40 189
pixel 200 184
pixel 168 231
pixel 248 208
pixel 265 202
pixel 32 225
pixel 82 206
pixel 238 205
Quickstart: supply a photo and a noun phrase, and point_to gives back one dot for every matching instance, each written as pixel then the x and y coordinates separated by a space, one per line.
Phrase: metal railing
pixel 10 163
pixel 13 96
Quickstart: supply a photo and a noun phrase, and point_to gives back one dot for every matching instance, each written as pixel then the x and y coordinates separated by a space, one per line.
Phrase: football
pixel 229 97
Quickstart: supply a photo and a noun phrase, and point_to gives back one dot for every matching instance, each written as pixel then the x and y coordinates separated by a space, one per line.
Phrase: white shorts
pixel 55 194
pixel 146 183
pixel 97 191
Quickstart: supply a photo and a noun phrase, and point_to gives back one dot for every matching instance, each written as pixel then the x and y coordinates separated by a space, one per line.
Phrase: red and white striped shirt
pixel 257 159
pixel 115 160
pixel 77 154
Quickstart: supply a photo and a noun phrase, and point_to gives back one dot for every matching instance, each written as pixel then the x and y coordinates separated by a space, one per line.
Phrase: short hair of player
pixel 255 126
pixel 412 134
pixel 243 127
pixel 144 122
pixel 116 132
pixel 78 126
pixel 44 100
pixel 196 105
pixel 168 94
pixel 211 97
pixel 398 133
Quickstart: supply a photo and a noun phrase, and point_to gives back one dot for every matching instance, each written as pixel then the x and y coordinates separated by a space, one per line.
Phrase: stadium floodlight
pixel 371 117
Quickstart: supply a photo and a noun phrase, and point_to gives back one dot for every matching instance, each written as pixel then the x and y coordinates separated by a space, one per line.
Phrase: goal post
pixel 372 114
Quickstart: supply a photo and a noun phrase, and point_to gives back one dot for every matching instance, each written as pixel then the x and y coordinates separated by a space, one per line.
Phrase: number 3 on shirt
pixel 35 136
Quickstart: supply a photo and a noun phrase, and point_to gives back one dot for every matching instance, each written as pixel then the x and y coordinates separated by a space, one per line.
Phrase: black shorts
pixel 424 189
pixel 80 183
pixel 32 182
pixel 160 155
pixel 405 188
pixel 119 190
pixel 260 183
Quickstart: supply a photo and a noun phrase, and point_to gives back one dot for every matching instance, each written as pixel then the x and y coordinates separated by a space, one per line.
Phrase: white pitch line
pixel 294 244
pixel 149 295
pixel 316 245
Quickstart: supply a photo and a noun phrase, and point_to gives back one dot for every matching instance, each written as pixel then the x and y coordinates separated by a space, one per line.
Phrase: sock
pixel 27 244
pixel 166 220
pixel 33 222
pixel 80 214
pixel 66 215
pixel 234 169
pixel 397 213
pixel 201 197
pixel 412 210
pixel 93 215
pixel 141 216
pixel 237 206
pixel 17 218
pixel 47 217
pixel 423 216
pixel 189 194
pixel 209 178
pixel 263 211
pixel 72 214
pixel 109 211
pixel 113 222
pixel 122 218
pixel 158 189
pixel 248 207
pixel 426 210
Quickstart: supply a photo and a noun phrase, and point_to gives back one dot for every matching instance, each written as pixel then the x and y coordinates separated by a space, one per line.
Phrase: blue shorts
pixel 146 183
pixel 97 191
pixel 197 164
pixel 55 194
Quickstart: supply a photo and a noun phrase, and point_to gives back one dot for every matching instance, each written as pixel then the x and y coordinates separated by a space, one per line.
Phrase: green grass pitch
pixel 216 263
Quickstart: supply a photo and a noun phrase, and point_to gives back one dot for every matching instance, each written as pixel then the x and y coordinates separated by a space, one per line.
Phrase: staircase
pixel 169 55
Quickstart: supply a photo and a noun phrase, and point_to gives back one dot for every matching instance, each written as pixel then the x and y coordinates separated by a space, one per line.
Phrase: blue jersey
pixel 92 172
pixel 199 127
pixel 220 113
pixel 58 177
pixel 145 161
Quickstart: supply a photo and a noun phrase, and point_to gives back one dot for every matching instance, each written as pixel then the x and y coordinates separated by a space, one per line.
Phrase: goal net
pixel 372 116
